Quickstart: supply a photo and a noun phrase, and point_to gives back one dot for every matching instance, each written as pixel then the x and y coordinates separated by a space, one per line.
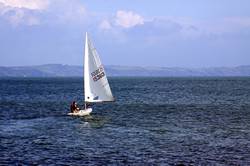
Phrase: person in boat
pixel 73 107
pixel 88 105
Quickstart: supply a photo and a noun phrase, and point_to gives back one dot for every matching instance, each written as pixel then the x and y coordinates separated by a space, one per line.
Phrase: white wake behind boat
pixel 96 86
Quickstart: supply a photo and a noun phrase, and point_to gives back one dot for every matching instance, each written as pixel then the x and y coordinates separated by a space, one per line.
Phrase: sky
pixel 164 33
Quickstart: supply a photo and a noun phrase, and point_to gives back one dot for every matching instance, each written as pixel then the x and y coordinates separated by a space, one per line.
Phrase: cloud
pixel 128 19
pixel 35 12
pixel 125 26
pixel 67 11
pixel 19 16
pixel 105 25
pixel 122 23
pixel 15 17
pixel 24 12
pixel 27 4
pixel 159 27
pixel 242 21
pixel 128 24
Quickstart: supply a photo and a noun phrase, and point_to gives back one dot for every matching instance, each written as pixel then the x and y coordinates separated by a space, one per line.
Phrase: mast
pixel 86 67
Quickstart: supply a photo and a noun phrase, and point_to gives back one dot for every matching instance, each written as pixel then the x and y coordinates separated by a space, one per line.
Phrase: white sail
pixel 96 86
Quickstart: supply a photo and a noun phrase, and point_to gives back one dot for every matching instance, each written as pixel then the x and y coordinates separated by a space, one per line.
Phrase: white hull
pixel 81 112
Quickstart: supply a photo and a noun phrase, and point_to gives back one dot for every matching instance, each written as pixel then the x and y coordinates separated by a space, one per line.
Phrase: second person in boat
pixel 74 108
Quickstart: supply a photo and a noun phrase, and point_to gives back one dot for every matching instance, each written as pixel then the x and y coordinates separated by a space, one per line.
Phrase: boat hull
pixel 81 112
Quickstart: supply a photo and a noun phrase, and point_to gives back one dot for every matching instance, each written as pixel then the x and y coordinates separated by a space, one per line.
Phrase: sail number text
pixel 98 73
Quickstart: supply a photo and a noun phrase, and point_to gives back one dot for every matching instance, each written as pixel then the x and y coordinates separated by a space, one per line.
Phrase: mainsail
pixel 96 86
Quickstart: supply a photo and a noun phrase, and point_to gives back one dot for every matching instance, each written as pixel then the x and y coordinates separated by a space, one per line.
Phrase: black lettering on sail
pixel 98 74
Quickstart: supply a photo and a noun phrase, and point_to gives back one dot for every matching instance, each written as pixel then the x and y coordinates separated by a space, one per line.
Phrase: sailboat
pixel 96 86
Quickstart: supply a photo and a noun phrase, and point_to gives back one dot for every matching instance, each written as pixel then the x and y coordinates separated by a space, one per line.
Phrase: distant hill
pixel 58 70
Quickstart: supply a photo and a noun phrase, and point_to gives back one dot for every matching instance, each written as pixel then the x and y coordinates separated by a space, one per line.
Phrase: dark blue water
pixel 154 121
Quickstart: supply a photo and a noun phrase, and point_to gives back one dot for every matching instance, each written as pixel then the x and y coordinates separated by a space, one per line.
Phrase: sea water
pixel 154 121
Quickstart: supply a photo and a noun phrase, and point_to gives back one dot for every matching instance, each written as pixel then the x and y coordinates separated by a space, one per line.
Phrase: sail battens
pixel 96 86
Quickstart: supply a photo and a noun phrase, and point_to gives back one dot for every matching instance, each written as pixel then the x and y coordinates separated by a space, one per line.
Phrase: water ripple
pixel 155 121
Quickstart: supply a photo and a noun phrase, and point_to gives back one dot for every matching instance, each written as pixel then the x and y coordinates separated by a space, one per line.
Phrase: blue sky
pixel 169 33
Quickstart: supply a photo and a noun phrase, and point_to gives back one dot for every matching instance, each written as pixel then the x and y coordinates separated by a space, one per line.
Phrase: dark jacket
pixel 73 107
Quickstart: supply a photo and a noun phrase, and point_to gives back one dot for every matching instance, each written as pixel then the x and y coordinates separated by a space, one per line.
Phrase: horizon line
pixel 233 66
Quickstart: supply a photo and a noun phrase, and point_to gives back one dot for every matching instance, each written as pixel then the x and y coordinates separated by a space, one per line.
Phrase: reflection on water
pixel 154 121
pixel 93 121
